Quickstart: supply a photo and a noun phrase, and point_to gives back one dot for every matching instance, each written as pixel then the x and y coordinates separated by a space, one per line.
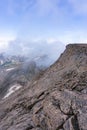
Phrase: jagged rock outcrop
pixel 55 101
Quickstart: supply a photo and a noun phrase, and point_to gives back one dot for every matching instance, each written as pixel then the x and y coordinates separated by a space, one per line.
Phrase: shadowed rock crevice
pixel 75 123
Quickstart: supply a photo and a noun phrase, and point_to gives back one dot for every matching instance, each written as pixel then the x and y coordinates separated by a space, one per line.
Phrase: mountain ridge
pixel 55 101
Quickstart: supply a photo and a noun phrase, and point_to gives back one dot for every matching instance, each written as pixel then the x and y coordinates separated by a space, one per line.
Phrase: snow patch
pixel 12 89
pixel 10 69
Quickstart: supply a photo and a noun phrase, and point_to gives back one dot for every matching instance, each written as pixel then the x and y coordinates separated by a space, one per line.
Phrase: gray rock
pixel 57 100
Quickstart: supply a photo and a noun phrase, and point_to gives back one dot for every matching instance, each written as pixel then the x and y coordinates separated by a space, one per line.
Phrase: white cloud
pixel 3 46
pixel 4 41
pixel 34 49
pixel 6 38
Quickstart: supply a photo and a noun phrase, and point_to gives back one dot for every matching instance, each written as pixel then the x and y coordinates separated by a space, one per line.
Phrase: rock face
pixel 55 101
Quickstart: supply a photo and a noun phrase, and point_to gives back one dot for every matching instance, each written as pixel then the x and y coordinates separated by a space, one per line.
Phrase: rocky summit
pixel 56 100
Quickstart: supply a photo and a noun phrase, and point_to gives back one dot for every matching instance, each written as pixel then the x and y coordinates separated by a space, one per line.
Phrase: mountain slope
pixel 55 101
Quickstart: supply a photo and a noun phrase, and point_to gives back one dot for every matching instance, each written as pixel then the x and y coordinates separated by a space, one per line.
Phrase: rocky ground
pixel 57 100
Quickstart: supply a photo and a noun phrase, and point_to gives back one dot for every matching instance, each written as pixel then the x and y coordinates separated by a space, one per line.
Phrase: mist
pixel 42 52
pixel 23 61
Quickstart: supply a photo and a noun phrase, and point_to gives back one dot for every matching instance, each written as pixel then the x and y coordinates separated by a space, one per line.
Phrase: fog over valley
pixel 35 50
pixel 22 61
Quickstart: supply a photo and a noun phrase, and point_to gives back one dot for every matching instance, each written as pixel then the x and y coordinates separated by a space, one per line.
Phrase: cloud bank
pixel 35 49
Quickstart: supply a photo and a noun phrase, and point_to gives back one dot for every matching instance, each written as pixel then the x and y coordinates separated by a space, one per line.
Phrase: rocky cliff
pixel 55 101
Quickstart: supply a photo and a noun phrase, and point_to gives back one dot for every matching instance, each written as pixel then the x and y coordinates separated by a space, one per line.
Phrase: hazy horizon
pixel 43 20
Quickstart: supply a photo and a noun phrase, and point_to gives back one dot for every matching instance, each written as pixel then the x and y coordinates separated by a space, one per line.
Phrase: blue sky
pixel 51 20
